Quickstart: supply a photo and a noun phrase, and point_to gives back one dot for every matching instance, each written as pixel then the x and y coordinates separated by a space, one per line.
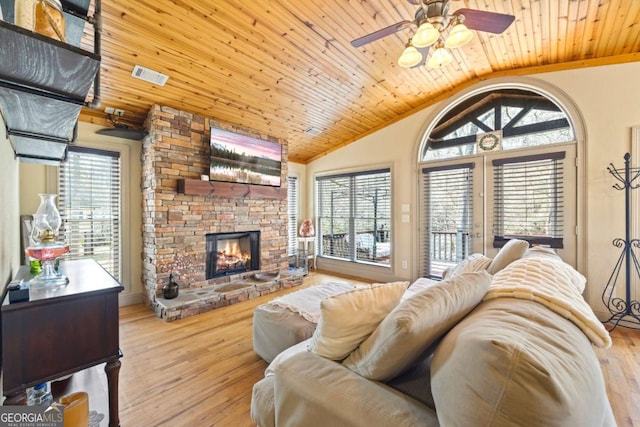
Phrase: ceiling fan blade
pixel 424 51
pixel 380 33
pixel 490 22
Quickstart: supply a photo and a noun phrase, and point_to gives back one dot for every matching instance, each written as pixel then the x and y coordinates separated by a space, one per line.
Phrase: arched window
pixel 497 165
pixel 499 119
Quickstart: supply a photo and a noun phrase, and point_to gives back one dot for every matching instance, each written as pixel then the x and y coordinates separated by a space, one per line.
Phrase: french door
pixel 477 203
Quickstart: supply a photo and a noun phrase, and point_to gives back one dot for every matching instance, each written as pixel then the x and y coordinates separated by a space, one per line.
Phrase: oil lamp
pixel 45 247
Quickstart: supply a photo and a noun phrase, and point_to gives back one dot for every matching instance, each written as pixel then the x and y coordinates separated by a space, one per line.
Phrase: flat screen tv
pixel 243 159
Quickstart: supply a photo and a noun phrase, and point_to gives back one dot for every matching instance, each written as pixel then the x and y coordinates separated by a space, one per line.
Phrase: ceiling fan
pixel 121 130
pixel 432 19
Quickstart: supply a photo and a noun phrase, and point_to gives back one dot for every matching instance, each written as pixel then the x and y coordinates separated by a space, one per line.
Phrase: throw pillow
pixel 513 250
pixel 348 319
pixel 474 262
pixel 415 324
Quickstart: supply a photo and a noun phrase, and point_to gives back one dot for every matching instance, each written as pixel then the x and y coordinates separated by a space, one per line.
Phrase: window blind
pixel 334 215
pixel 354 216
pixel 448 207
pixel 292 213
pixel 372 216
pixel 529 199
pixel 89 205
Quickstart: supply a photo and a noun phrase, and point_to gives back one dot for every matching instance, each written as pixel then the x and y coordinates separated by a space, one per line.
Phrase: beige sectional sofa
pixel 523 356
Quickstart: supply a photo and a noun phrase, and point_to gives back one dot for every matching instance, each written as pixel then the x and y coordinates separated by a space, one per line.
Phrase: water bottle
pixel 39 395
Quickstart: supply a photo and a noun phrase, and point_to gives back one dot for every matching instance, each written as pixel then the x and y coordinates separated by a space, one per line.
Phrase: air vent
pixel 150 76
pixel 312 131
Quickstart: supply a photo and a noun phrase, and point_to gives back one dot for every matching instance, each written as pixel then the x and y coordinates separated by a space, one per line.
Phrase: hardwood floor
pixel 199 371
pixel 621 369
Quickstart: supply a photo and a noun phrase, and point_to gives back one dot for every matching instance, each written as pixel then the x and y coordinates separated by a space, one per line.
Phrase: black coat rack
pixel 624 312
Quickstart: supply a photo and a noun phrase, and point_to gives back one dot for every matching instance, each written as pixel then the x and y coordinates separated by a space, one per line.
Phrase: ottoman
pixel 290 319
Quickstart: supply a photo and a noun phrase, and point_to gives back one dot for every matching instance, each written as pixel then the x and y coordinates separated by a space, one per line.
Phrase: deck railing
pixel 447 248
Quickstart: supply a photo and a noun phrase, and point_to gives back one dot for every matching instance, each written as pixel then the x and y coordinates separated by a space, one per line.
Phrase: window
pixel 529 199
pixel 292 213
pixel 354 216
pixel 89 204
pixel 497 193
pixel 524 119
pixel 448 192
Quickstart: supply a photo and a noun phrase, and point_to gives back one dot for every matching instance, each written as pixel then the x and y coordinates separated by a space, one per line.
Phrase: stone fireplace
pixel 232 253
pixel 177 221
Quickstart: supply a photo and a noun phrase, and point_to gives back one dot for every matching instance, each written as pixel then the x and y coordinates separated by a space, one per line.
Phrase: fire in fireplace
pixel 232 253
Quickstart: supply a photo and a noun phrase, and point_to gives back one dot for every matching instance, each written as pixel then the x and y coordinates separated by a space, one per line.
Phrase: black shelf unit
pixel 44 84
pixel 624 311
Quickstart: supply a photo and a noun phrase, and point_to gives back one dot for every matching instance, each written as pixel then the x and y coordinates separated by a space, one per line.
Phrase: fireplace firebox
pixel 232 253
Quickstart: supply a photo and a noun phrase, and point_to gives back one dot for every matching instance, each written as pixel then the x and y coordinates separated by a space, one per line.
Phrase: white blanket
pixel 554 284
pixel 306 302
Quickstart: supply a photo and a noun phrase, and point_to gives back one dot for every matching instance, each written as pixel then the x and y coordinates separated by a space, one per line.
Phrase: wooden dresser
pixel 61 331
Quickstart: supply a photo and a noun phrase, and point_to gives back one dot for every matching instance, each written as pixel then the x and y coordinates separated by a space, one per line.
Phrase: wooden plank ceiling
pixel 283 66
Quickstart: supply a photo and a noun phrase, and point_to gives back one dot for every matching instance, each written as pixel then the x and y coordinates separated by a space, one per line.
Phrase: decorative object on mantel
pixel 171 289
pixel 306 229
pixel 624 312
pixel 46 247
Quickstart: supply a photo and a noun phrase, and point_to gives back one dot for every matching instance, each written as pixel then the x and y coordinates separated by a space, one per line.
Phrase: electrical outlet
pixel 109 110
pixel 404 264
pixel 118 112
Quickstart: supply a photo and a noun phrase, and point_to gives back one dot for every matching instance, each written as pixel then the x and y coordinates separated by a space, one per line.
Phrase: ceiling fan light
pixel 440 58
pixel 426 35
pixel 410 57
pixel 458 37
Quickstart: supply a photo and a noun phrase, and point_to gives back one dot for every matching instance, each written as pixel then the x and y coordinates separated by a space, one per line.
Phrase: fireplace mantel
pixel 198 187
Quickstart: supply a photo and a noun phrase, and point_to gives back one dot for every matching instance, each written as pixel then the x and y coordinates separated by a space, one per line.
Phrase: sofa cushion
pixel 513 250
pixel 513 362
pixel 403 336
pixel 416 382
pixel 348 319
pixel 263 411
pixel 285 355
pixel 474 262
pixel 418 286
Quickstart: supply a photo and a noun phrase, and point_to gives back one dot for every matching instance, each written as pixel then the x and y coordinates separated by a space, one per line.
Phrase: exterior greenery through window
pixel 354 216
pixel 89 205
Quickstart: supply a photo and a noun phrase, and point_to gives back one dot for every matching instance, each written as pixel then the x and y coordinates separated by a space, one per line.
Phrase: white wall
pixel 36 179
pixel 608 98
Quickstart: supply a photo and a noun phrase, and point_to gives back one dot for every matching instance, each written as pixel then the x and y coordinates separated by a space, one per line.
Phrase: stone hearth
pixel 175 224
pixel 199 300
